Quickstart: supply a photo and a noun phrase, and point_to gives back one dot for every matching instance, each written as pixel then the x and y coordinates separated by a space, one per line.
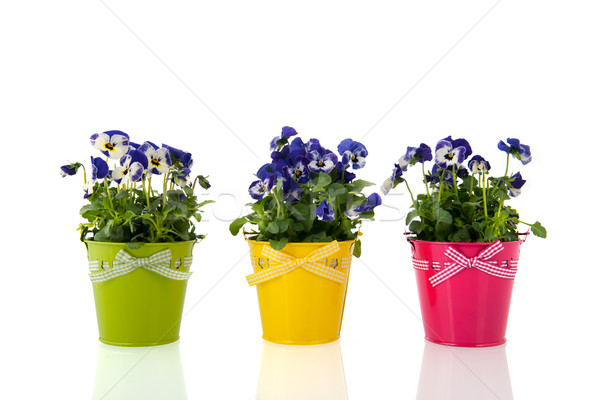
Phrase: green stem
pixel 441 185
pixel 84 175
pixel 425 179
pixel 454 180
pixel 471 188
pixel 165 181
pixel 411 194
pixel 507 161
pixel 108 194
pixel 145 190
pixel 483 187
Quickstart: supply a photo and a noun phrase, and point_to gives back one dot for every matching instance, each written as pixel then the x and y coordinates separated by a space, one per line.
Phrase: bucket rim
pixel 432 242
pixel 304 243
pixel 142 243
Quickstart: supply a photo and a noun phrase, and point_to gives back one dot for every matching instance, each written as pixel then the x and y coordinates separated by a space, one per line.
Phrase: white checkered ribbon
pixel 284 263
pixel 482 262
pixel 125 263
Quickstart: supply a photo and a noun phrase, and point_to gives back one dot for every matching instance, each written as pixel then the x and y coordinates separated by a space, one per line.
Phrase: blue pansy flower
pixel 292 192
pixel 267 170
pixel 321 161
pixel 446 155
pixel 460 142
pixel 478 165
pixel 414 155
pixel 282 154
pixel 258 188
pixel 133 145
pixel 159 159
pixel 69 169
pixel 393 180
pixel 131 167
pixel 520 151
pixel 181 177
pixel 516 183
pixel 286 132
pixel 180 156
pixel 341 170
pixel 298 169
pixel 353 153
pixel 113 144
pixel 372 201
pixel 299 148
pixel 99 168
pixel 436 172
pixel 88 189
pixel 324 212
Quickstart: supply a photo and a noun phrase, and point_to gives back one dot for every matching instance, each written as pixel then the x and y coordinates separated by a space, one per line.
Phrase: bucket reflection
pixel 139 373
pixel 464 373
pixel 301 372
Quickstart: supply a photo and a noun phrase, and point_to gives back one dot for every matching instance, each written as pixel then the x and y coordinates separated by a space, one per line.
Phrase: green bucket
pixel 141 308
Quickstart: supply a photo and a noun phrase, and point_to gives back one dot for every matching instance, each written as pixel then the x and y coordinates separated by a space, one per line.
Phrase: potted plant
pixel 306 217
pixel 465 240
pixel 139 241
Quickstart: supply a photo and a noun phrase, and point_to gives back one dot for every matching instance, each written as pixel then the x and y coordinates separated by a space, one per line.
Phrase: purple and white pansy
pixel 516 183
pixel 159 158
pixel 372 201
pixel 260 187
pixel 131 168
pixel 324 212
pixel 113 144
pixel 353 153
pixel 414 155
pixel 446 155
pixel 514 147
pixel 321 161
pixel 478 165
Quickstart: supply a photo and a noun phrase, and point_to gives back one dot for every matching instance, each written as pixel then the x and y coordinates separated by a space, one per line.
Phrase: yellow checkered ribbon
pixel 285 263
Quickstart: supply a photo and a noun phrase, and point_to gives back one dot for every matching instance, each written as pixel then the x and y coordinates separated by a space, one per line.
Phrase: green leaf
pixel 411 215
pixel 538 229
pixel 416 227
pixel 283 224
pixel 273 228
pixel 123 194
pixel 357 249
pixel 323 180
pixel 360 184
pixel 236 225
pixel 278 244
pixel 441 215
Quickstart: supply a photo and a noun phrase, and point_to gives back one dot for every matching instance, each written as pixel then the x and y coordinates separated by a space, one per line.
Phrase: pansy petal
pixel 136 170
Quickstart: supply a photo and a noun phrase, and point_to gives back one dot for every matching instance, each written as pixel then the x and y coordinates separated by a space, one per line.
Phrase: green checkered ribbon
pixel 125 263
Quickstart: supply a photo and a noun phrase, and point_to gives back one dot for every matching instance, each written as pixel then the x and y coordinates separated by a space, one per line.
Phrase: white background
pixel 220 79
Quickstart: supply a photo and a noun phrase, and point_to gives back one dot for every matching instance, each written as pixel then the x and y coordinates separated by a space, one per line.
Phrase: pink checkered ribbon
pixel 482 262
pixel 284 263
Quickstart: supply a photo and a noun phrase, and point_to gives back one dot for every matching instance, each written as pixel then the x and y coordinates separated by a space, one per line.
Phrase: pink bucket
pixel 470 308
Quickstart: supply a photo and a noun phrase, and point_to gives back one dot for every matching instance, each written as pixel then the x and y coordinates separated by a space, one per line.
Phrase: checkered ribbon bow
pixel 286 263
pixel 481 262
pixel 125 263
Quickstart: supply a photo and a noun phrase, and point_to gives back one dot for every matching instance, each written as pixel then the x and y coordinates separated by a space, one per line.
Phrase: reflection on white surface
pixel 464 373
pixel 139 373
pixel 301 372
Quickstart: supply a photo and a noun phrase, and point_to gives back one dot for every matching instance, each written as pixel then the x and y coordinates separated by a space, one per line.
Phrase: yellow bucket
pixel 300 307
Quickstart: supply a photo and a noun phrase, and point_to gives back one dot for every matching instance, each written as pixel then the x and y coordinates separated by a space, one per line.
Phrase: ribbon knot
pixel 471 262
pixel 282 263
pixel 125 263
pixel 301 261
pixel 483 262
pixel 143 262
